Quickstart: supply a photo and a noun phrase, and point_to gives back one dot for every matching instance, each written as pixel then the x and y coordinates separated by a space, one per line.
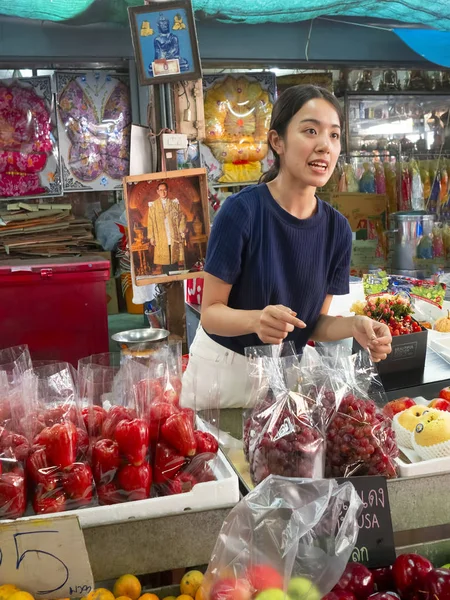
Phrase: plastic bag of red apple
pixel 58 471
pixel 360 438
pixel 286 429
pixel 118 430
pixel 288 538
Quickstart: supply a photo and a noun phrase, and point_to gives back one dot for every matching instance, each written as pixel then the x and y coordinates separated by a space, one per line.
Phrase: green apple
pixel 301 588
pixel 272 594
pixel 447 566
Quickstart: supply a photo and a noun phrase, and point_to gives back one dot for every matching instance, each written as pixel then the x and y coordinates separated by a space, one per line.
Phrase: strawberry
pixel 61 444
pixel 60 414
pixel 16 445
pixel 42 437
pixel 13 500
pixel 82 444
pixel 167 463
pixel 105 460
pixel 133 439
pixel 48 502
pixel 136 481
pixel 182 483
pixel 113 418
pixel 179 433
pixel 93 417
pixel 39 470
pixel 108 493
pixel 159 413
pixel 31 425
pixel 206 442
pixel 77 483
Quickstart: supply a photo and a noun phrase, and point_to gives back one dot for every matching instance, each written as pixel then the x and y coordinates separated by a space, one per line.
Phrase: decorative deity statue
pixel 167 46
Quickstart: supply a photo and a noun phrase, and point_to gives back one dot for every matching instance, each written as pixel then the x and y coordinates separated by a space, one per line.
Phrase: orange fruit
pixel 129 586
pixel 100 594
pixel 123 598
pixel 201 593
pixel 168 598
pixel 148 596
pixel 184 597
pixel 7 590
pixel 190 583
pixel 21 596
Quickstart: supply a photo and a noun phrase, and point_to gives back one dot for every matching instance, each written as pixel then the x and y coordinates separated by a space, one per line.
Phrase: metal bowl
pixel 140 339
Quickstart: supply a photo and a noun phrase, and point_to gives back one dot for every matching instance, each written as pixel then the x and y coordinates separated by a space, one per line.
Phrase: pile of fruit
pixel 411 577
pixel 61 458
pixel 394 311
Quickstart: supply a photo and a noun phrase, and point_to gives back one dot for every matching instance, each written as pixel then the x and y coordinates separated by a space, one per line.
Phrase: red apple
pixel 231 589
pixel 397 406
pixel 356 579
pixel 438 584
pixel 445 393
pixel 440 404
pixel 383 580
pixel 339 595
pixel 264 577
pixel 410 572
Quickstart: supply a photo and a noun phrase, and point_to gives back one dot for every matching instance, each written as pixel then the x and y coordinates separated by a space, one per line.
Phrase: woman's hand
pixel 275 323
pixel 372 336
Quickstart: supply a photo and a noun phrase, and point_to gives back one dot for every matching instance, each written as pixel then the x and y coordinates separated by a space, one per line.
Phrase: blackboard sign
pixel 375 546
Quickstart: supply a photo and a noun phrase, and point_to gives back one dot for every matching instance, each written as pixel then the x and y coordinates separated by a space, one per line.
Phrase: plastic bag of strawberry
pixel 288 538
pixel 57 467
pixel 14 362
pixel 360 438
pixel 287 429
pixel 118 430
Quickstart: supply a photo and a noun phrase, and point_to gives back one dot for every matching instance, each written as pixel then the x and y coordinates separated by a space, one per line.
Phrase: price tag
pixel 375 546
pixel 46 557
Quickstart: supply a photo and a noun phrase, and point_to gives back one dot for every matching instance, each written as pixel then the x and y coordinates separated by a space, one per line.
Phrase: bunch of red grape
pixel 360 441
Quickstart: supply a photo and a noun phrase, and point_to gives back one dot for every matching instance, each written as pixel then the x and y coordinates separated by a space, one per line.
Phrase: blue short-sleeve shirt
pixel 271 257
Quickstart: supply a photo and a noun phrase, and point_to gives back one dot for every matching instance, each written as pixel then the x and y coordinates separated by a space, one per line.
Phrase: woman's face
pixel 312 144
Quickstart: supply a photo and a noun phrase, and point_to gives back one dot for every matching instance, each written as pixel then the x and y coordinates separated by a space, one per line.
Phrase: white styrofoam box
pixel 340 305
pixel 418 467
pixel 222 493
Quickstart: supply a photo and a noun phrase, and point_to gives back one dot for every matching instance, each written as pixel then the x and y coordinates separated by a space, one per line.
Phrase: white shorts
pixel 215 377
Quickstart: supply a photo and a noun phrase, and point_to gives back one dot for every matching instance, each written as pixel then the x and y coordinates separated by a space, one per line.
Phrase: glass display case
pixel 397 124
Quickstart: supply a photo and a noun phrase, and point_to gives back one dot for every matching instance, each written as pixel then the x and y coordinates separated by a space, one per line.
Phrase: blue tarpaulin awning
pixel 431 44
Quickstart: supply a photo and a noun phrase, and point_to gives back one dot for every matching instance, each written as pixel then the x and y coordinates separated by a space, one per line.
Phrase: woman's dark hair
pixel 287 105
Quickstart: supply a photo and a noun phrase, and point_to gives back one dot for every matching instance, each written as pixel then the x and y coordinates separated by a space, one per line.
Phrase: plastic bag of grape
pixel 285 433
pixel 288 538
pixel 360 438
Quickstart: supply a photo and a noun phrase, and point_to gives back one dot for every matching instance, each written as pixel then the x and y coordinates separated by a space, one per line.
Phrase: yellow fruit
pixel 129 586
pixel 7 590
pixel 123 598
pixel 167 598
pixel 21 596
pixel 190 583
pixel 201 593
pixel 100 594
pixel 151 597
pixel 184 597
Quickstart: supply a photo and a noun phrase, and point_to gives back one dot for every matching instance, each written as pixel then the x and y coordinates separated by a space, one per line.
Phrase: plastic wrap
pixel 360 439
pixel 286 432
pixel 287 538
pixel 58 469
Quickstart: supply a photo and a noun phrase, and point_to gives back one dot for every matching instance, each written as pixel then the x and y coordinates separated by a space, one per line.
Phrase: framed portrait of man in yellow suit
pixel 168 223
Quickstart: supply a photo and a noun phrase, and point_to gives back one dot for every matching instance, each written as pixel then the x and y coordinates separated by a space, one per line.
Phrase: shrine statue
pixel 167 46
pixel 237 117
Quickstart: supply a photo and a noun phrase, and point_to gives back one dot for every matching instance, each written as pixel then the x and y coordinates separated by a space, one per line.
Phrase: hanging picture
pixel 29 153
pixel 165 42
pixel 94 123
pixel 168 221
pixel 238 108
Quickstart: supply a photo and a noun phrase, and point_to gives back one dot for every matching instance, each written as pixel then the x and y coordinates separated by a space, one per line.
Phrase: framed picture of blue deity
pixel 165 42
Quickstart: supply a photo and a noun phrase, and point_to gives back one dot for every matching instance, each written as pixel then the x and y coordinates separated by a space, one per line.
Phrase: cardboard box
pixel 111 295
pixel 359 208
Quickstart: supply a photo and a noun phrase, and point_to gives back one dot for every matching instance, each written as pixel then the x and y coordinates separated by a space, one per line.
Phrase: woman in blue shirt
pixel 276 256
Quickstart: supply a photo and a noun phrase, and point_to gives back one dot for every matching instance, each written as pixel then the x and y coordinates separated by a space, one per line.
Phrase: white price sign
pixel 46 557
